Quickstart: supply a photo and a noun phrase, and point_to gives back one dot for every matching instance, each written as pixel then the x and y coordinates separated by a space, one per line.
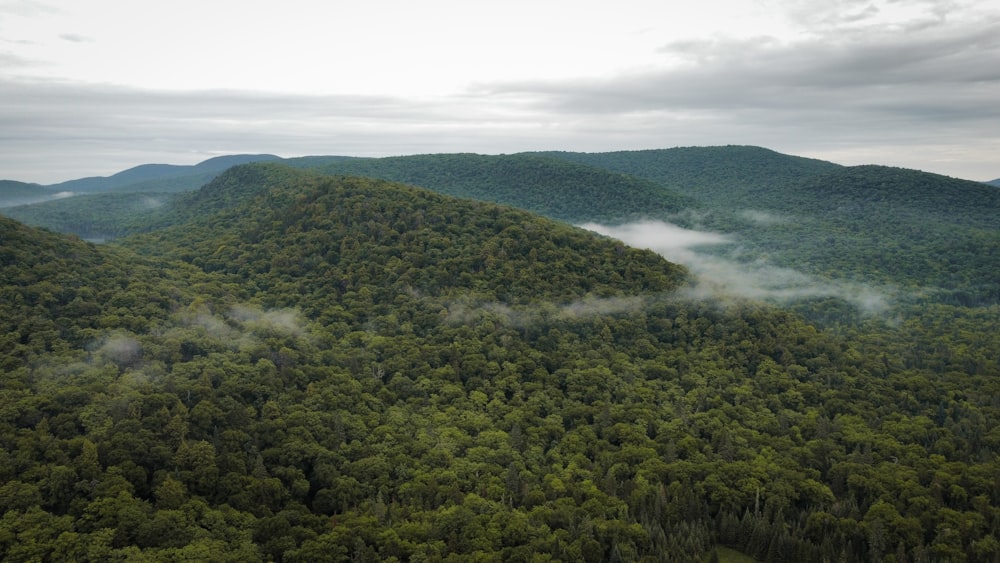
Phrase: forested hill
pixel 98 216
pixel 19 193
pixel 552 187
pixel 161 177
pixel 873 224
pixel 869 193
pixel 738 177
pixel 314 368
pixel 61 294
pixel 884 224
pixel 718 176
pixel 555 188
pixel 266 223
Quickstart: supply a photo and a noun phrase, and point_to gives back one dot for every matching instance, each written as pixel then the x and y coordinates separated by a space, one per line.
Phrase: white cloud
pixel 903 83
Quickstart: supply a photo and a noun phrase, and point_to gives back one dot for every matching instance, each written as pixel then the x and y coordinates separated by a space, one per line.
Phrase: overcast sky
pixel 91 87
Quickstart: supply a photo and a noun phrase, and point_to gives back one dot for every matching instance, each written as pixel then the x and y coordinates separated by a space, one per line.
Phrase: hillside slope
pixel 547 186
pixel 865 223
pixel 890 225
pixel 96 217
pixel 328 368
pixel 161 177
pixel 59 293
pixel 19 193
pixel 237 221
pixel 724 176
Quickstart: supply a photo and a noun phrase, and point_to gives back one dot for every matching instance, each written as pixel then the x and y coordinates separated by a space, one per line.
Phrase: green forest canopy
pixel 310 368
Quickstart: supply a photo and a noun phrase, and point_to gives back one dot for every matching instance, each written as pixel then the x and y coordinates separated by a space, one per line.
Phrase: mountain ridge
pixel 533 182
pixel 859 224
pixel 303 367
pixel 13 193
pixel 139 178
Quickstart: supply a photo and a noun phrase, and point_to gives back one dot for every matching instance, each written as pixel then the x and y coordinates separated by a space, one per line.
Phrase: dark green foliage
pixel 20 193
pixel 308 368
pixel 336 235
pixel 548 186
pixel 890 225
pixel 97 216
pixel 871 224
pixel 719 176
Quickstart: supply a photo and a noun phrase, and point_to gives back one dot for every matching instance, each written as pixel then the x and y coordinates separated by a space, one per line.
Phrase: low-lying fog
pixel 42 198
pixel 717 276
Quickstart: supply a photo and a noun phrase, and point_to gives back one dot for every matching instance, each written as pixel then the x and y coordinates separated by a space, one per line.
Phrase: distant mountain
pixel 19 193
pixel 874 223
pixel 994 182
pixel 161 177
pixel 553 187
pixel 892 225
pixel 914 195
pixel 98 216
pixel 728 175
pixel 864 223
pixel 292 366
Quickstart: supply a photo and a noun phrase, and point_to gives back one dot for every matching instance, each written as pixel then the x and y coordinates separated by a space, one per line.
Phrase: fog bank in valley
pixel 718 277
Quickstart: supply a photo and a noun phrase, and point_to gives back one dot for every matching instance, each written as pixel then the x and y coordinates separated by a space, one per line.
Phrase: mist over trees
pixel 293 366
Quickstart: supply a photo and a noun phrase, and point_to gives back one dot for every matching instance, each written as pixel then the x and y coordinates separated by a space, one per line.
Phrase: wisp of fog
pixel 716 276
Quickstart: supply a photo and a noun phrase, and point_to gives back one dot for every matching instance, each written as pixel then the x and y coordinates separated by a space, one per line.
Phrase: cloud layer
pixel 909 84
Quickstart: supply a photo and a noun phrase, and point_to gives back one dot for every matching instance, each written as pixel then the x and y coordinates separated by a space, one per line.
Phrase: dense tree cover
pixel 924 232
pixel 96 216
pixel 107 216
pixel 888 225
pixel 871 223
pixel 328 235
pixel 330 369
pixel 719 176
pixel 552 187
pixel 21 193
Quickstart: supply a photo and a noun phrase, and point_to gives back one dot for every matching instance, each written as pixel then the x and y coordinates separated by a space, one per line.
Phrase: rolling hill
pixel 883 224
pixel 303 367
pixel 98 216
pixel 729 176
pixel 550 187
pixel 925 233
pixel 19 193
pixel 160 177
